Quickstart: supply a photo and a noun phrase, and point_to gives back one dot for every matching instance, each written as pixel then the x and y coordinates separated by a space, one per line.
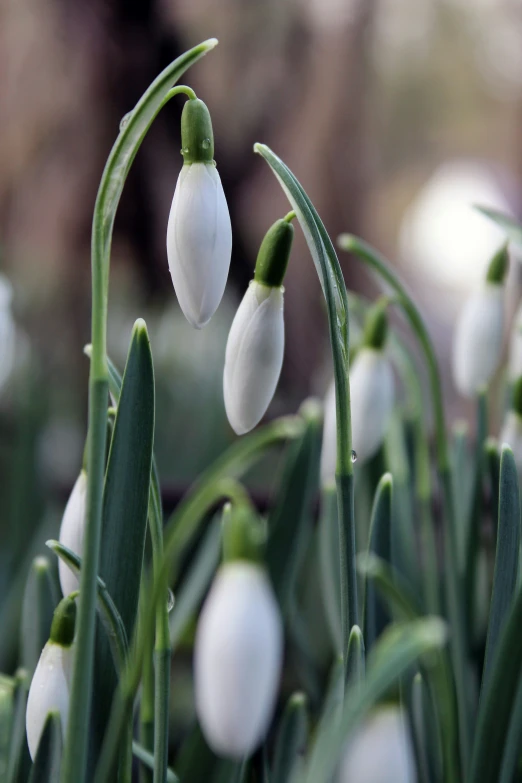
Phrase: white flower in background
pixel 477 343
pixel 372 397
pixel 199 233
pixel 511 434
pixel 72 531
pixel 51 683
pixel 7 331
pixel 381 751
pixel 237 659
pixel 515 346
pixel 255 346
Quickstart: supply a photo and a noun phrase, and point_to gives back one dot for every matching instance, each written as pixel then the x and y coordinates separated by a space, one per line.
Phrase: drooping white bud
pixel 51 683
pixel 478 339
pixel 381 751
pixel 72 531
pixel 254 356
pixel 237 659
pixel 371 399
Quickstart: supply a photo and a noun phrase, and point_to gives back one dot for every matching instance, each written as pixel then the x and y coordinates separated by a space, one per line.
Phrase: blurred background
pixel 396 116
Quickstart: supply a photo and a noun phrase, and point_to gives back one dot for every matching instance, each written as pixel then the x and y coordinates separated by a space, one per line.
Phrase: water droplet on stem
pixel 354 456
pixel 170 600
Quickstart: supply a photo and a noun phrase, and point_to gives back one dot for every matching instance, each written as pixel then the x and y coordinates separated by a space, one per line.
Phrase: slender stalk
pixel 111 186
pixel 453 593
pixel 147 714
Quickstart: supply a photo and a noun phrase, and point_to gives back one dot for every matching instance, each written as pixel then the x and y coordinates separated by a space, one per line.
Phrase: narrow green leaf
pixel 356 660
pixel 125 507
pixel 492 460
pixel 512 227
pixel 421 738
pixel 292 511
pixel 329 564
pixel 511 755
pixel 497 700
pixel 401 646
pixel 19 758
pixel 291 739
pixel 7 688
pixel 41 597
pixel 147 758
pixel 47 764
pixel 375 615
pixel 507 555
pixel 111 618
pixel 462 467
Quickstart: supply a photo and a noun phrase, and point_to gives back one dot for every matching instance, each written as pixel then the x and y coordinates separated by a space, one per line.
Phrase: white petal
pixel 515 347
pixel 199 242
pixel 254 356
pixel 237 660
pixel 478 339
pixel 511 434
pixel 381 751
pixel 329 445
pixel 372 397
pixel 49 691
pixel 72 531
pixel 7 342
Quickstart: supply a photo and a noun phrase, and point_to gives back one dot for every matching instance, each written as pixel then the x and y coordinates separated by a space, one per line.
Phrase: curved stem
pixel 111 186
pixel 453 593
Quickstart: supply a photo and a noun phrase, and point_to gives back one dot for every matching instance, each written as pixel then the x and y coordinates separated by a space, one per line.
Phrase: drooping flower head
pixel 72 531
pixel 199 233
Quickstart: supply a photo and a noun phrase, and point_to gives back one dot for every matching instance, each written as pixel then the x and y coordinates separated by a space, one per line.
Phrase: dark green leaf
pixel 356 661
pixel 46 766
pixel 292 511
pixel 7 688
pixel 291 738
pixel 19 758
pixel 125 507
pixel 375 615
pixel 329 563
pixel 507 555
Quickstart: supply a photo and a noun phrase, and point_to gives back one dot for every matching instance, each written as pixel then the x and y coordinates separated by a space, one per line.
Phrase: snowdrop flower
pixel 7 331
pixel 371 397
pixel 511 432
pixel 255 346
pixel 72 531
pixel 381 751
pixel 478 337
pixel 238 653
pixel 50 686
pixel 515 346
pixel 199 234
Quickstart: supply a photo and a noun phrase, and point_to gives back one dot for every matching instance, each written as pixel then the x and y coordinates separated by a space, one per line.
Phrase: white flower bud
pixel 371 399
pixel 72 531
pixel 199 242
pixel 237 659
pixel 511 434
pixel 49 691
pixel 254 356
pixel 7 331
pixel 515 346
pixel 381 751
pixel 478 339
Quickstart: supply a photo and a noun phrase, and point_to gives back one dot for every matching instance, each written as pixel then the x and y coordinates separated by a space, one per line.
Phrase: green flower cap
pixel 516 402
pixel 64 621
pixel 274 252
pixel 376 325
pixel 243 534
pixel 498 266
pixel 197 137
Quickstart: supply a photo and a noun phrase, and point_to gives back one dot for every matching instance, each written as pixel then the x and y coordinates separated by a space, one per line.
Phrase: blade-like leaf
pixel 291 739
pixel 147 758
pixel 375 615
pixel 41 597
pixel 507 555
pixel 512 227
pixel 46 766
pixel 356 660
pixel 125 507
pixel 329 564
pixel 19 758
pixel 292 511
pixel 7 688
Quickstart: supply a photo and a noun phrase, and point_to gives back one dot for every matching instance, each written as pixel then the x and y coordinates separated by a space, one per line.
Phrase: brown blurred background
pixel 395 115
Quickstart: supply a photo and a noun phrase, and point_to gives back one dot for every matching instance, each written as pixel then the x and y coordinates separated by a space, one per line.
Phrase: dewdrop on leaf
pixel 72 531
pixel 255 346
pixel 51 683
pixel 478 337
pixel 199 233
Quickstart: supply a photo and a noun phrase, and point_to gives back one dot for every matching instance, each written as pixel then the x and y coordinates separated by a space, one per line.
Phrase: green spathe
pixel 498 266
pixel 274 252
pixel 64 622
pixel 197 137
pixel 376 325
pixel 243 534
